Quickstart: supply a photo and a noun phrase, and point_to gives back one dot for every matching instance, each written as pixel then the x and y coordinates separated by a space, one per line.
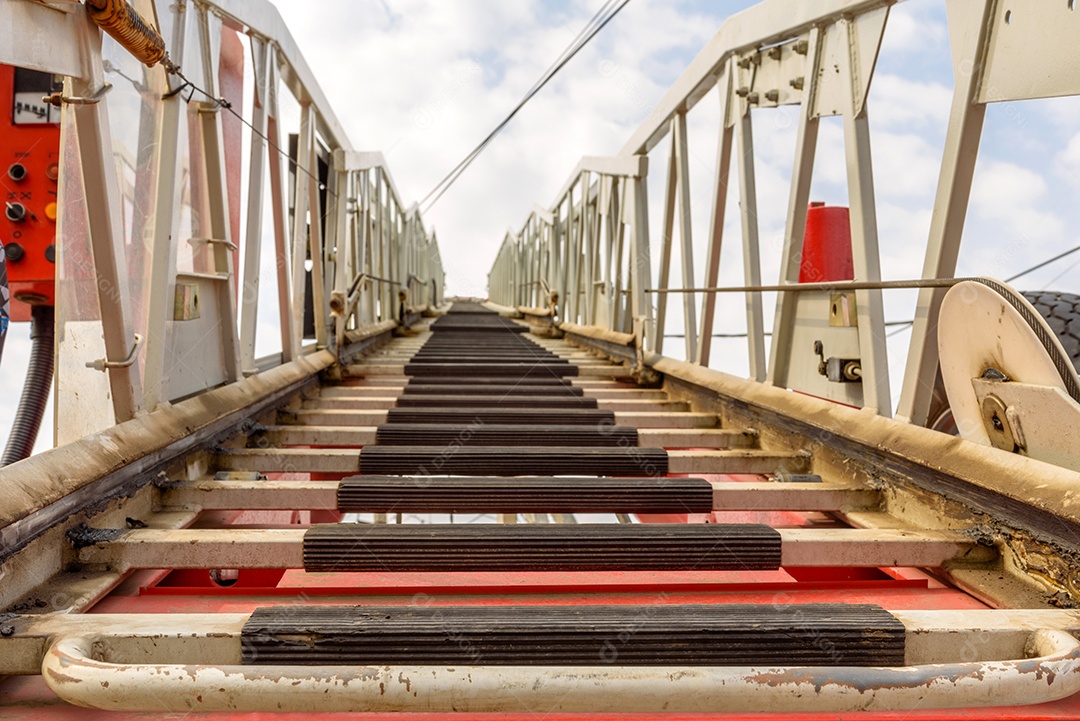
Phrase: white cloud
pixel 904 103
pixel 411 87
pixel 1002 189
pixel 1012 222
pixel 1071 157
pixel 906 165
pixel 916 28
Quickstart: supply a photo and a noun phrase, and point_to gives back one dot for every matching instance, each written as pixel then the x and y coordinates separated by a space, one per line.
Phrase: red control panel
pixel 29 168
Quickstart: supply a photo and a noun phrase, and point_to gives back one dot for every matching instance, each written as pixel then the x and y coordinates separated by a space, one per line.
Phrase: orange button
pixel 50 211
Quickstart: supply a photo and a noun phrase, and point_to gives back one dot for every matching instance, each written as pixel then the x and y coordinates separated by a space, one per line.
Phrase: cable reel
pixel 1010 382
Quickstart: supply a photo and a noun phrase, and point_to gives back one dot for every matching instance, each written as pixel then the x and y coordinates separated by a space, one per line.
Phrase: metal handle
pixel 103 364
pixel 72 672
pixel 59 99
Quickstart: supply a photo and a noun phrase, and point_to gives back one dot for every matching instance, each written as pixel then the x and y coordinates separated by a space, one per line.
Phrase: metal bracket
pixel 103 364
pixel 1002 425
pixel 837 370
pixel 58 99
pixel 842 310
pixel 208 241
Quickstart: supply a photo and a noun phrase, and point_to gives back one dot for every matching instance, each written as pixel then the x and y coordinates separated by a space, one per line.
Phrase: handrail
pixel 820 57
pixel 71 670
pixel 262 19
pixel 598 247
pixel 364 226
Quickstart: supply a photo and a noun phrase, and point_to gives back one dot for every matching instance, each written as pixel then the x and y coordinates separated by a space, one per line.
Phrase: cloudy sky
pixel 425 80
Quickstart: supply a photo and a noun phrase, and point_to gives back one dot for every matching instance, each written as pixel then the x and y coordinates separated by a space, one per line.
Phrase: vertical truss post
pixel 167 196
pixel 301 210
pixel 686 254
pixel 366 303
pixel 969 23
pixel 249 297
pixel 290 349
pixel 864 238
pixel 611 213
pixel 319 307
pixel 795 225
pixel 573 253
pixel 641 265
pixel 344 268
pixel 561 251
pixel 379 246
pixel 619 314
pixel 532 260
pixel 394 256
pixel 755 325
pixel 670 189
pixel 220 253
pixel 105 229
pixel 716 221
pixel 584 260
pixel 590 228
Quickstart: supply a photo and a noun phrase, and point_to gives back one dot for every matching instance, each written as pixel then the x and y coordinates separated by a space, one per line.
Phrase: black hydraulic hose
pixel 35 395
pixel 5 300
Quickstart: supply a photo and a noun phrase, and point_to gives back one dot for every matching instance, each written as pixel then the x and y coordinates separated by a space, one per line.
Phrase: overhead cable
pixel 597 23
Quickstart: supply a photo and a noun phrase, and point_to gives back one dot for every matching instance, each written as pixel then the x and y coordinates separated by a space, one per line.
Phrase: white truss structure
pixel 592 244
pixel 151 232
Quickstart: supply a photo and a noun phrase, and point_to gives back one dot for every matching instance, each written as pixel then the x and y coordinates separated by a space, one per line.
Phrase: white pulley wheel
pixel 981 332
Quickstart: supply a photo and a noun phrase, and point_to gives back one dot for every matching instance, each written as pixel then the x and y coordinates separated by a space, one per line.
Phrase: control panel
pixel 29 171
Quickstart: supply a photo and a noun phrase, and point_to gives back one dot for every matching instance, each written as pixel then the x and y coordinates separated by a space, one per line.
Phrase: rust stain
pixel 62 678
pixel 913 677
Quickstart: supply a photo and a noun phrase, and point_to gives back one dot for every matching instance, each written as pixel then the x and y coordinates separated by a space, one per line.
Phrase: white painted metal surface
pixel 1008 364
pixel 820 56
pixel 147 180
pixel 75 673
pixel 160 160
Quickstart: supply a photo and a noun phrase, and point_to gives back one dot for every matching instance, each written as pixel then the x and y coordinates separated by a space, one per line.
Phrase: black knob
pixel 50 253
pixel 15 212
pixel 17 172
pixel 14 252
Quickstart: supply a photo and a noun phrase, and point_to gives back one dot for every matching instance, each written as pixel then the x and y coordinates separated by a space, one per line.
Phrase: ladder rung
pixel 660 635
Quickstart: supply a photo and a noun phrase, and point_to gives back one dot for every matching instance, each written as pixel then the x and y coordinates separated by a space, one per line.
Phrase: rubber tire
pixel 1062 314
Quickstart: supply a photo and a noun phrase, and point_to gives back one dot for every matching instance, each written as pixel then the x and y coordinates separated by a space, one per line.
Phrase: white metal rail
pixel 593 243
pixel 164 224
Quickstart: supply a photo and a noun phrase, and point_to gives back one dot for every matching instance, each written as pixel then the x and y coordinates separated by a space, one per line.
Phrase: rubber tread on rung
pixel 479 381
pixel 468 359
pixel 545 417
pixel 482 434
pixel 541 547
pixel 513 461
pixel 524 494
pixel 511 370
pixel 771 635
pixel 460 326
pixel 495 401
pixel 504 389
